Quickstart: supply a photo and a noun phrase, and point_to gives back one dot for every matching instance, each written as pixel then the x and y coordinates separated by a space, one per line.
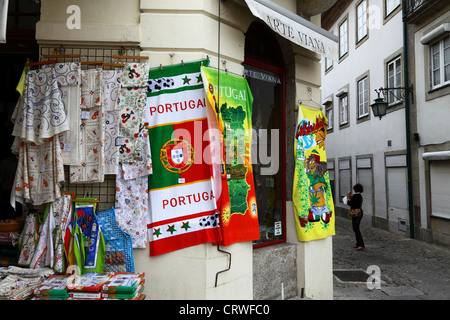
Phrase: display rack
pixel 89 58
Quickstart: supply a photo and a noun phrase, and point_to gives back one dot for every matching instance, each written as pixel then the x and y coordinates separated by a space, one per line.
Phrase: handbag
pixel 355 213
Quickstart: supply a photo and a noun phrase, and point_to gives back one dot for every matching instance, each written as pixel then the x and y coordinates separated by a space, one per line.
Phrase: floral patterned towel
pixel 131 103
pixel 40 114
pixel 40 171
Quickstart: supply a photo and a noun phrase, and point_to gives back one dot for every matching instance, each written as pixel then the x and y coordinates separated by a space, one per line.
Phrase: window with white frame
pixel 361 20
pixel 343 39
pixel 328 63
pixel 391 5
pixel 394 80
pixel 440 63
pixel 363 97
pixel 343 108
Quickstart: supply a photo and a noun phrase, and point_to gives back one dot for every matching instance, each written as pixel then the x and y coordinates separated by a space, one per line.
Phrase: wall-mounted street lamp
pixel 379 107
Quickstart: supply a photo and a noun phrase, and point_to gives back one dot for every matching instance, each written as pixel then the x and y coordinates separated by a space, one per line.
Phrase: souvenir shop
pixel 144 172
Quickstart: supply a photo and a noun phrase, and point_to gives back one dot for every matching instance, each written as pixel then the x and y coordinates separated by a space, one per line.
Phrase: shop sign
pixel 295 28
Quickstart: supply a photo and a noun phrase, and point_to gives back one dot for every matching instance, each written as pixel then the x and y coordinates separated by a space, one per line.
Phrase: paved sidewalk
pixel 409 269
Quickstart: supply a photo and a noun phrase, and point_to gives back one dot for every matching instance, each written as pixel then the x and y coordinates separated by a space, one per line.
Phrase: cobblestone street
pixel 410 269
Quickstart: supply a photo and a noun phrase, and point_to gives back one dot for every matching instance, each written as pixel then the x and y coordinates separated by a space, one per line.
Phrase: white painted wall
pixel 432 114
pixel 369 137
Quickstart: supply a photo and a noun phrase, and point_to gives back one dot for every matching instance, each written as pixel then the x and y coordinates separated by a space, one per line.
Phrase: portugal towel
pixel 312 197
pixel 182 206
pixel 230 99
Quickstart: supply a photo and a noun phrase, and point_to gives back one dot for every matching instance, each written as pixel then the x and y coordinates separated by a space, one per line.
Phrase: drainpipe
pixel 407 123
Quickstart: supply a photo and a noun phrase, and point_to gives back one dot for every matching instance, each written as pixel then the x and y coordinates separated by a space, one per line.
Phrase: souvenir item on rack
pixel 41 114
pixel 131 204
pixel 92 132
pixel 111 142
pixel 88 242
pixel 91 88
pixel 312 197
pixel 43 256
pixel 111 80
pixel 111 85
pixel 50 246
pixel 135 75
pixel 131 104
pixel 28 240
pixel 231 102
pixel 182 203
pixel 68 78
pixel 118 244
pixel 40 171
pixel 62 212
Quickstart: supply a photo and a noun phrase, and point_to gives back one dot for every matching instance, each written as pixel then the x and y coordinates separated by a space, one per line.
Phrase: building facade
pixel 427 26
pixel 387 44
pixel 172 32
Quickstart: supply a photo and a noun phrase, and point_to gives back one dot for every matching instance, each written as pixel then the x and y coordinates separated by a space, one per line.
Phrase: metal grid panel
pixel 105 191
pixel 88 54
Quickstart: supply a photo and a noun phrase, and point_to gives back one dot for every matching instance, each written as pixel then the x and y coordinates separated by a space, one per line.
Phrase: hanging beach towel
pixel 231 102
pixel 312 197
pixel 118 244
pixel 182 204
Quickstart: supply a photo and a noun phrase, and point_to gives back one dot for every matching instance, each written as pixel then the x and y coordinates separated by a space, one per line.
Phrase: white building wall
pixel 366 137
pixel 432 114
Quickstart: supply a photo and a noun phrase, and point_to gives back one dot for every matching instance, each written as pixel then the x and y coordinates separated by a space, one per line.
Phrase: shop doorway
pixel 20 47
pixel 266 77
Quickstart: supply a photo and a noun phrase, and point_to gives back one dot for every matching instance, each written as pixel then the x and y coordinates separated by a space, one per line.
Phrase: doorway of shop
pixel 266 77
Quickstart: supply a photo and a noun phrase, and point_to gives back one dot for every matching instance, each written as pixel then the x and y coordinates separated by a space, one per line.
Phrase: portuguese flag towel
pixel 182 205
pixel 230 99
pixel 312 197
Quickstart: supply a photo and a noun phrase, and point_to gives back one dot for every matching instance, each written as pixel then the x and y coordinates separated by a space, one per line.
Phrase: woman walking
pixel 355 202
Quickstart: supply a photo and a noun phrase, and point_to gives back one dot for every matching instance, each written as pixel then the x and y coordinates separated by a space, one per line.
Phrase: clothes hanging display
pixel 118 244
pixel 40 171
pixel 182 204
pixel 312 197
pixel 92 130
pixel 41 114
pixel 131 206
pixel 131 105
pixel 231 102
